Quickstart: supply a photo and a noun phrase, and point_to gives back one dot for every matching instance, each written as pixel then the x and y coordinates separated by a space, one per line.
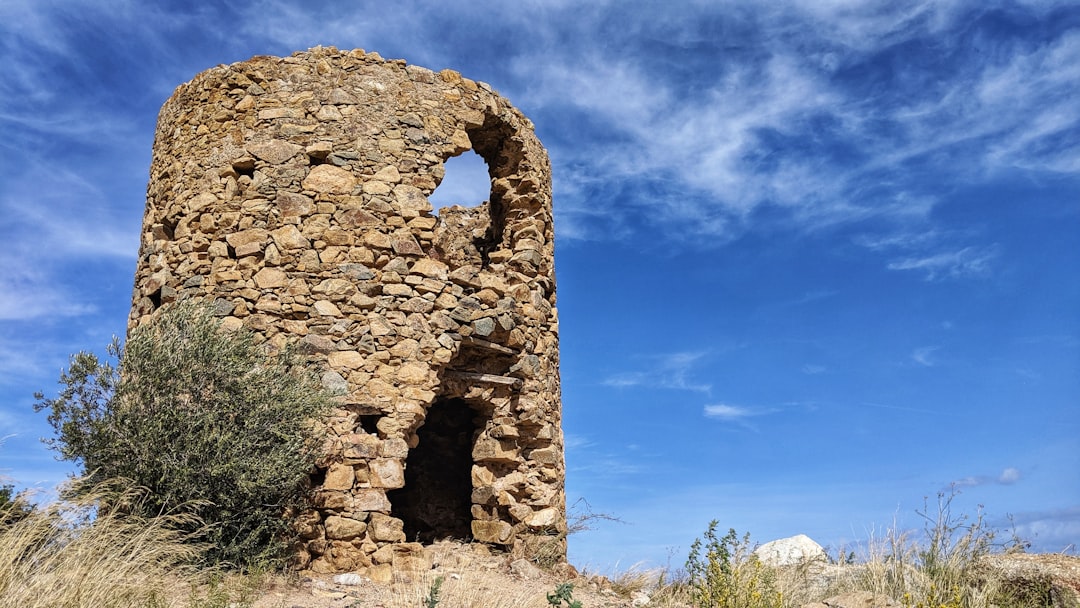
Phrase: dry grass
pixel 469 589
pixel 90 552
pixel 76 553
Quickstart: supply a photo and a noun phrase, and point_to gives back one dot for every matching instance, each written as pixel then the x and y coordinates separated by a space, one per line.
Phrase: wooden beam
pixel 484 344
pixel 487 378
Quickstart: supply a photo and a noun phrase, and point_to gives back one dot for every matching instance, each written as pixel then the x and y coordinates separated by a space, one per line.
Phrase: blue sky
pixel 816 259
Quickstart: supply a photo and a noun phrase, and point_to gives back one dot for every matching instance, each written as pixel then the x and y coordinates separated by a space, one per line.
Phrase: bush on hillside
pixel 723 572
pixel 14 507
pixel 202 418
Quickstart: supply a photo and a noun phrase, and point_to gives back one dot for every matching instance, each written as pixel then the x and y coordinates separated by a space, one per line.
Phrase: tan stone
pixel 274 151
pixel 268 278
pixel 343 528
pixel 387 473
pixel 545 455
pixel 410 557
pixel 376 187
pixel 413 373
pixel 273 113
pixel 498 532
pixel 411 200
pixel 373 500
pixel 328 179
pixel 202 201
pixel 326 309
pixel 339 477
pixel 386 529
pixel 335 287
pixel 289 237
pixel 255 236
pixel 493 450
pixel 348 359
pixel 430 268
pixel 543 518
pixel 332 500
pixel 388 174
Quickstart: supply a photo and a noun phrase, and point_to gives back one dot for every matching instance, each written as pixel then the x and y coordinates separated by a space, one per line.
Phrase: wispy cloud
pixel 733 413
pixel 671 371
pixel 26 295
pixel 1051 530
pixel 966 262
pixel 1008 476
pixel 816 128
pixel 576 442
pixel 904 408
pixel 924 356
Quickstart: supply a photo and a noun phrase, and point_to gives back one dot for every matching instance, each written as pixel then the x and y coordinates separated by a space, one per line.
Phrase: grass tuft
pixel 89 552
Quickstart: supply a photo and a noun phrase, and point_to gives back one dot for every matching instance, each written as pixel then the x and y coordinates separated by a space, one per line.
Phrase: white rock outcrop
pixel 790 551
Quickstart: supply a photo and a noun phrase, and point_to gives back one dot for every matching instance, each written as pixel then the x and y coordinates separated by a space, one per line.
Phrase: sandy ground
pixel 470 578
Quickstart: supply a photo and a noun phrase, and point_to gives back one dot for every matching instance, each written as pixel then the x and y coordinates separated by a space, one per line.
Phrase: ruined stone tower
pixel 292 192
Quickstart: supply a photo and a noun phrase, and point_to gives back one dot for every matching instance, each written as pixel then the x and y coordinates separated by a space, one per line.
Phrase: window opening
pixel 466 182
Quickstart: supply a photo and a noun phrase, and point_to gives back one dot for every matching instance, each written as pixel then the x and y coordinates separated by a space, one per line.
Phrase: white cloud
pixel 729 412
pixel 709 150
pixel 924 356
pixel 670 371
pixel 30 296
pixel 736 414
pixel 1008 476
pixel 576 442
pixel 966 262
pixel 1050 531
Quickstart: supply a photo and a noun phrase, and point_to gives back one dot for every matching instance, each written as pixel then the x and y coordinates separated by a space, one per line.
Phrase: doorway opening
pixel 436 501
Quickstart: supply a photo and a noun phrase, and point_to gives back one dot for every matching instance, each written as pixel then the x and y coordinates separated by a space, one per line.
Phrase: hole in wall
pixel 244 167
pixel 466 182
pixel 436 502
pixel 369 423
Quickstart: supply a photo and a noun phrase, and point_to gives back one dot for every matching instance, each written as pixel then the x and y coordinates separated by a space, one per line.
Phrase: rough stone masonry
pixel 293 193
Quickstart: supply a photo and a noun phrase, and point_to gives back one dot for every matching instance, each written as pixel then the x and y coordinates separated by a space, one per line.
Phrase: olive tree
pixel 204 419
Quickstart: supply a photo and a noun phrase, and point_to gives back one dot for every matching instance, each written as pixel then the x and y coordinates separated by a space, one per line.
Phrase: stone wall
pixel 292 192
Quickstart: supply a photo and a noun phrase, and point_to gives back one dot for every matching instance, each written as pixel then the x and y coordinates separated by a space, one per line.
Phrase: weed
pixel 941 570
pixel 432 599
pixel 564 594
pixel 723 573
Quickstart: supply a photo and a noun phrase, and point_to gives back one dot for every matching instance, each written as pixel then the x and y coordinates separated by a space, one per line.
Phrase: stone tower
pixel 292 192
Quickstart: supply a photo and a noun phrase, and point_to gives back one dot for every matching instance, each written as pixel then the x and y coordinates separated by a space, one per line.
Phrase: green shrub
pixel 564 594
pixel 201 417
pixel 723 573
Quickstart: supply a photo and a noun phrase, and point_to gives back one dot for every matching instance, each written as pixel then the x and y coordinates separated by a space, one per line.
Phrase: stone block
pixel 343 528
pixel 339 477
pixel 497 532
pixel 328 179
pixel 386 529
